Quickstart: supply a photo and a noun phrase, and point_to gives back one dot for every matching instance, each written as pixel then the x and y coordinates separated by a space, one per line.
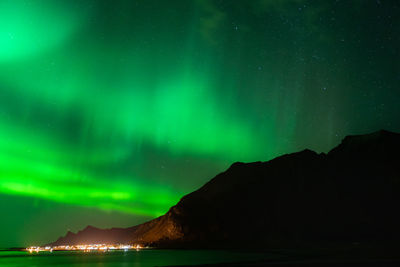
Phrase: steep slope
pixel 350 194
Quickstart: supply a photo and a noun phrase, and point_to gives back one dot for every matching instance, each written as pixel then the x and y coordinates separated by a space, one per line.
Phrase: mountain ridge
pixel 346 195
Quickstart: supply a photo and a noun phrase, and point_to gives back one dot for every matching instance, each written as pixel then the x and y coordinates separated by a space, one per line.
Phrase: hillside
pixel 349 195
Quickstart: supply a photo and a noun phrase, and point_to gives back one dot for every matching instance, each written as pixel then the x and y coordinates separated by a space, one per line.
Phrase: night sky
pixel 111 111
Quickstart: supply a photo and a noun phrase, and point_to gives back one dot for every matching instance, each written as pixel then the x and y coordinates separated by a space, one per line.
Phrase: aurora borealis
pixel 111 111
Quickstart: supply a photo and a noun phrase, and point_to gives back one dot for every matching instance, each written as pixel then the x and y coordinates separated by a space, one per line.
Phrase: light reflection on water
pixel 141 258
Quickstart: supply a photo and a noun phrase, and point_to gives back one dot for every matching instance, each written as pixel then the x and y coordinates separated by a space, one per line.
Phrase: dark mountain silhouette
pixel 351 194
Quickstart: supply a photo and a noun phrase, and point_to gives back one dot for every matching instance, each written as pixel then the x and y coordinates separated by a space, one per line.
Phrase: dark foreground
pixel 141 258
pixel 354 255
pixel 313 264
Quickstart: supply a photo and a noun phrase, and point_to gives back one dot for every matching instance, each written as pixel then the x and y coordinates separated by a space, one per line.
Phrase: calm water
pixel 129 258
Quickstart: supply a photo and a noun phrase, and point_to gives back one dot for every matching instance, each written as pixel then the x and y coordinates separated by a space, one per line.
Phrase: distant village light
pixel 85 248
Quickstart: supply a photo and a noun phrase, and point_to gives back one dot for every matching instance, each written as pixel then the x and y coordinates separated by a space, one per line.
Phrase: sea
pixel 141 258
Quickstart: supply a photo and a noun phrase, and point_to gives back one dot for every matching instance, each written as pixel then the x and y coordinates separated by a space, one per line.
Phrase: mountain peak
pixel 70 234
pixel 380 141
pixel 296 198
pixel 381 134
pixel 90 227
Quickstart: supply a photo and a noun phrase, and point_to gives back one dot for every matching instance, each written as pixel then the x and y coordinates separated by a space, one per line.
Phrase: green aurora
pixel 111 111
